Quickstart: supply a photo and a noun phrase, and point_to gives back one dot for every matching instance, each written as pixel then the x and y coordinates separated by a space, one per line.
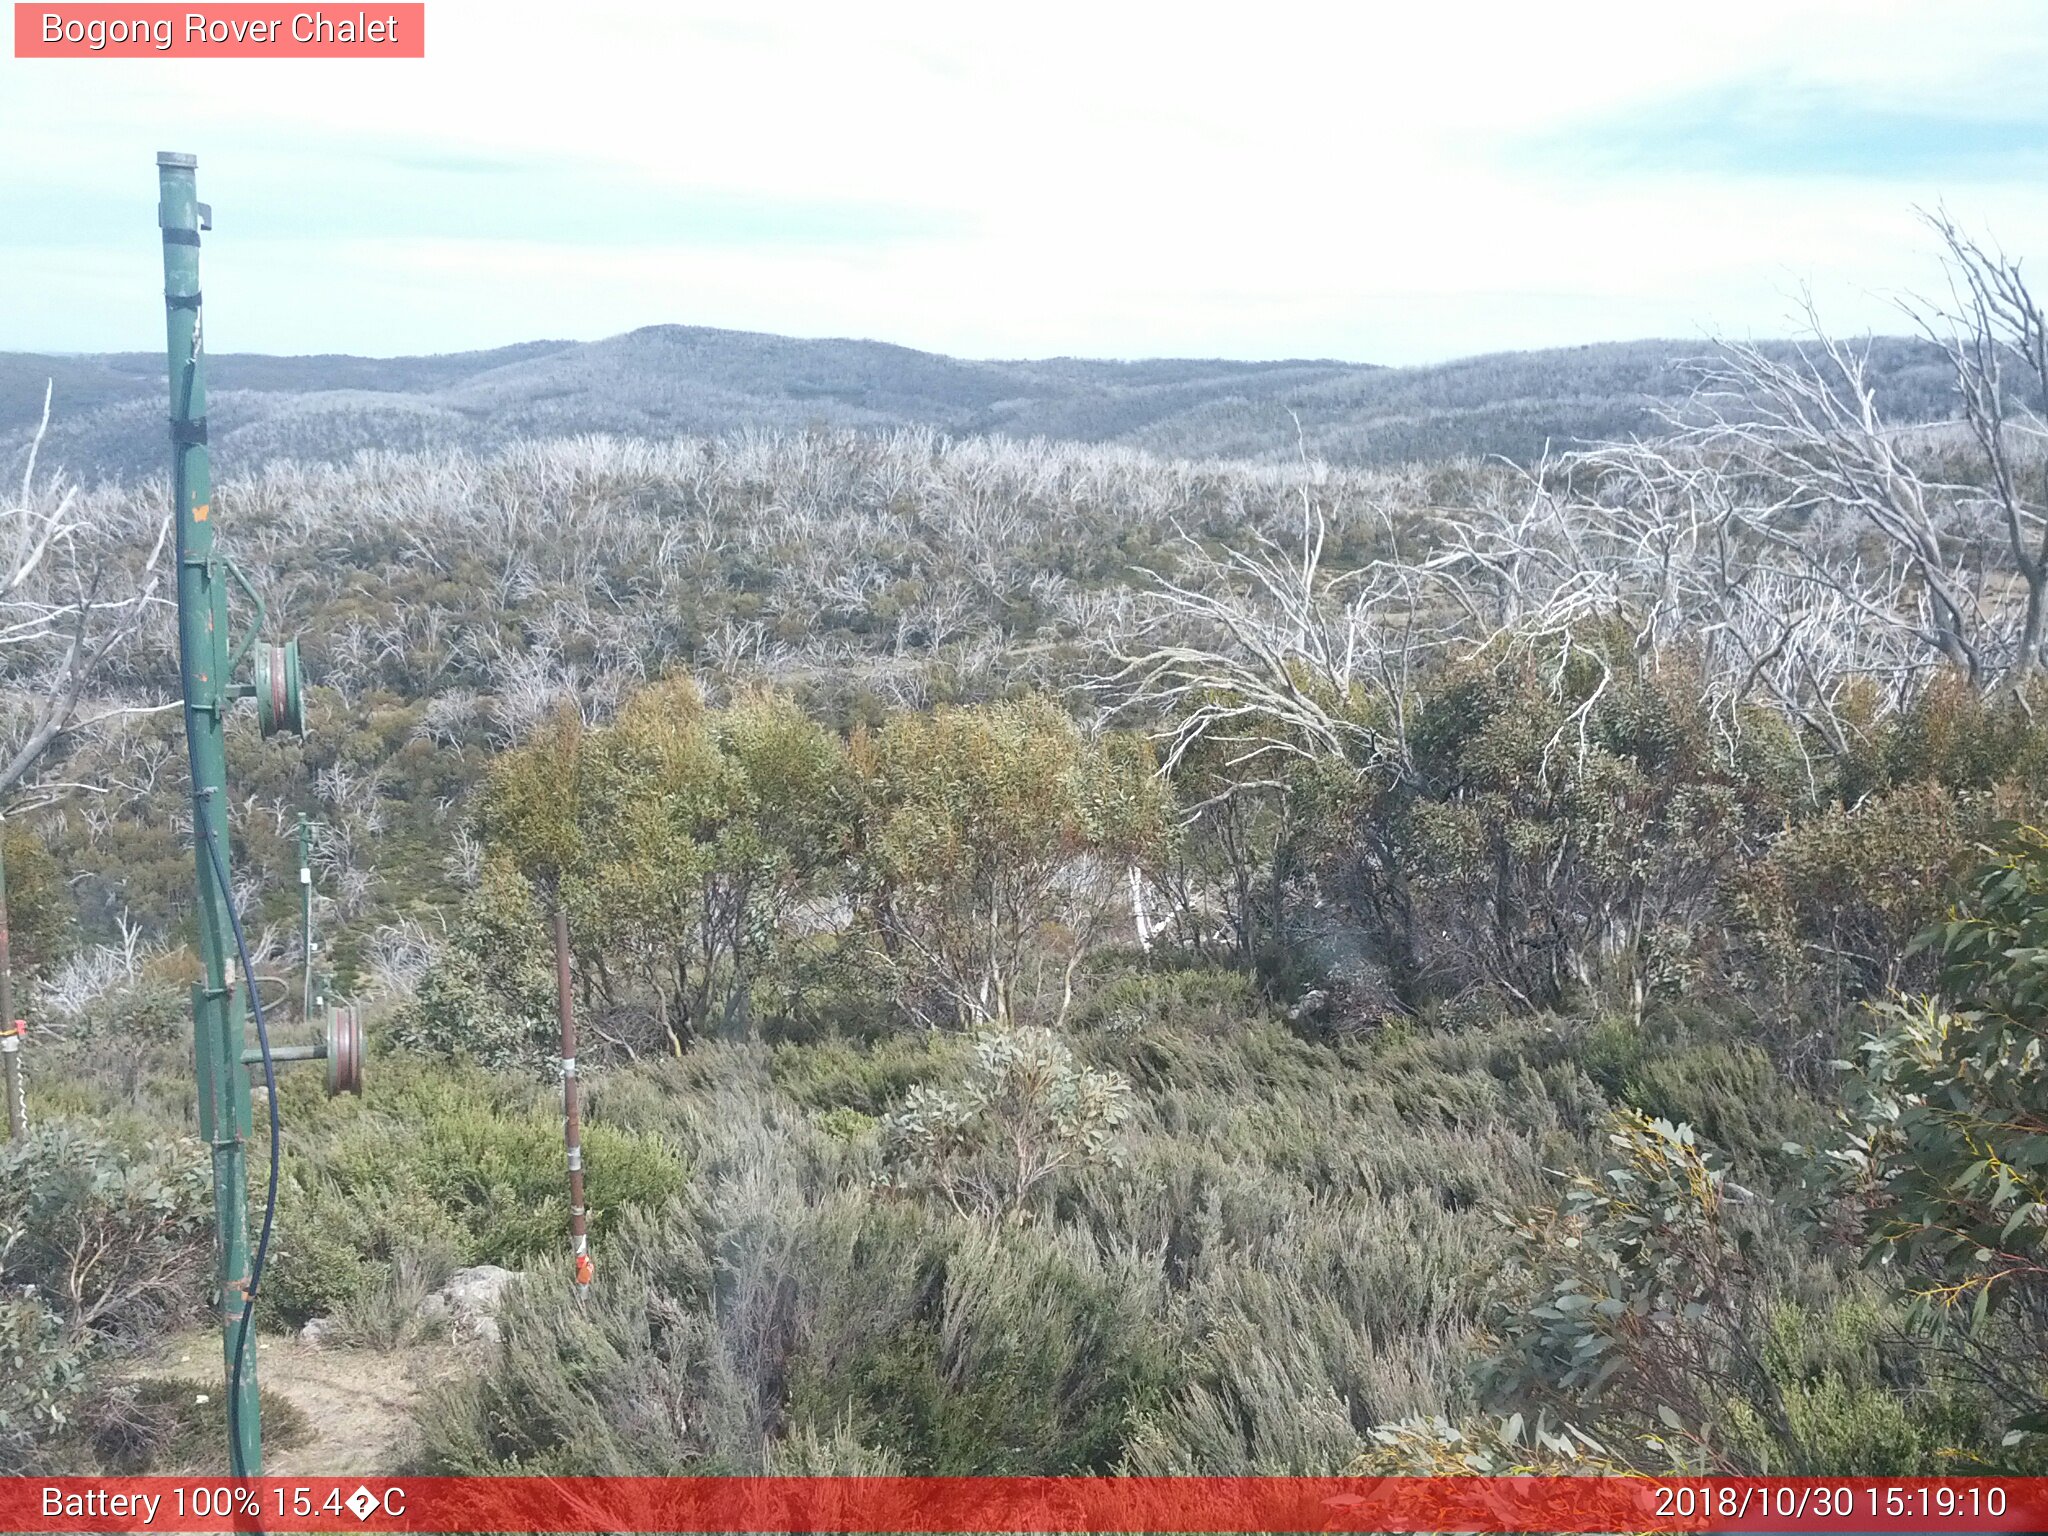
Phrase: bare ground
pixel 361 1403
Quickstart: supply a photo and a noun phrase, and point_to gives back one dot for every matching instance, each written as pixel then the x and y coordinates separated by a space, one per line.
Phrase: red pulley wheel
pixel 344 1052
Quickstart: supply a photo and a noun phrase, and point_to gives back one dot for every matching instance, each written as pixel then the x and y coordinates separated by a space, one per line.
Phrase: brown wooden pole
pixel 572 1115
pixel 11 1036
pixel 10 1032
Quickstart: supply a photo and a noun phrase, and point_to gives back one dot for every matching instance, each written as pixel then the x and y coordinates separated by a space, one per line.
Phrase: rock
pixel 470 1300
pixel 1311 1005
pixel 478 1289
pixel 316 1330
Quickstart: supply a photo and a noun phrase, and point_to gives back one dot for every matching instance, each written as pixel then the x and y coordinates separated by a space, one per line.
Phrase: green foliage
pixel 154 1009
pixel 1954 1123
pixel 98 1239
pixel 1734 1095
pixel 718 1330
pixel 699 852
pixel 1838 899
pixel 991 842
pixel 1202 1000
pixel 42 1379
pixel 1020 1356
pixel 441 1166
pixel 1026 1113
pixel 1292 1246
pixel 1514 1446
pixel 847 1124
pixel 1950 734
pixel 324 1252
pixel 1613 841
pixel 491 996
pixel 1690 1065
pixel 1562 827
pixel 529 806
pixel 154 1425
pixel 1633 1303
pixel 1224 1299
pixel 40 913
pixel 1845 1408
pixel 684 842
pixel 706 834
pixel 1657 1317
pixel 1828 1397
pixel 112 1237
pixel 835 1074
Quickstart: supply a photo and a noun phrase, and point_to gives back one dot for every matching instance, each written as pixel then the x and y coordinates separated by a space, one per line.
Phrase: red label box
pixel 937 1506
pixel 231 31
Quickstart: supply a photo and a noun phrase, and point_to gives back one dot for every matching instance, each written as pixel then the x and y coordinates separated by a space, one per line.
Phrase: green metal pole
pixel 203 657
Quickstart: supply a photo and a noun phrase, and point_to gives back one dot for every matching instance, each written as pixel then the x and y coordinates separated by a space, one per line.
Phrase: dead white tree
pixel 1266 652
pixel 1835 489
pixel 1996 340
pixel 1671 539
pixel 72 590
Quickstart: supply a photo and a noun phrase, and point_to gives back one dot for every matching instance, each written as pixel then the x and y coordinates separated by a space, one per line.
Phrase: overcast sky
pixel 1366 181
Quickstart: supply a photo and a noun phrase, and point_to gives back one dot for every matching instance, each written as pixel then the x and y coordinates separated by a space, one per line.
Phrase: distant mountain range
pixel 108 412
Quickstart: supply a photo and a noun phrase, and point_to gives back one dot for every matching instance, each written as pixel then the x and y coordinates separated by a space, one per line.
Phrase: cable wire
pixel 220 874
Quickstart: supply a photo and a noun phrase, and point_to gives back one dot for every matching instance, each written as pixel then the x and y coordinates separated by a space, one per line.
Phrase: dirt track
pixel 361 1403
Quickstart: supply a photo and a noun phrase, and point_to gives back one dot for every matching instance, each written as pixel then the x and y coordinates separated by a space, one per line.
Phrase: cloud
pixel 369 190
pixel 1387 184
pixel 1783 127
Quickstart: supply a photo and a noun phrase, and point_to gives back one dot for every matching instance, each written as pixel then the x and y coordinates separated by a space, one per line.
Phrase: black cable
pixel 202 828
pixel 220 874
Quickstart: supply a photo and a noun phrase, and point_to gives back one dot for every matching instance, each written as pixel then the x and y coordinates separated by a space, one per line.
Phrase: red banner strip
pixel 229 31
pixel 1010 1504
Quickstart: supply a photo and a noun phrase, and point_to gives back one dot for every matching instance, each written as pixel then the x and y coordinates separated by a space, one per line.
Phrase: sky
pixel 1369 181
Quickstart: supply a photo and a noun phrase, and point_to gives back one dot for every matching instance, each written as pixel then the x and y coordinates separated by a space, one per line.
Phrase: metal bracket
pixel 255 625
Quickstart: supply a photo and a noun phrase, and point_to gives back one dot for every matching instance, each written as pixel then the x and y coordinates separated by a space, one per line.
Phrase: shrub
pixel 684 841
pixel 845 1124
pixel 1837 901
pixel 40 916
pixel 1846 1410
pixel 1432 1446
pixel 750 1331
pixel 1201 999
pixel 1660 1316
pixel 441 1164
pixel 1563 827
pixel 110 1237
pixel 491 997
pixel 1027 1112
pixel 1732 1094
pixel 322 1254
pixel 42 1376
pixel 1015 1352
pixel 1953 1148
pixel 836 1074
pixel 1631 1313
pixel 153 1425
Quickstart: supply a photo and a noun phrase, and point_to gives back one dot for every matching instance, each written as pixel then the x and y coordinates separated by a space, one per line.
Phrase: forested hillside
pixel 1089 959
pixel 687 379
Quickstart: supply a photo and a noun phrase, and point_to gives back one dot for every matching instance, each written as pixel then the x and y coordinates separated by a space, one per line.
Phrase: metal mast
pixel 204 663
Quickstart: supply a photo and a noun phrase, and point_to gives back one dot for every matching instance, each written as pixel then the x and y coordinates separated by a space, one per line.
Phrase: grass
pixel 165 1425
